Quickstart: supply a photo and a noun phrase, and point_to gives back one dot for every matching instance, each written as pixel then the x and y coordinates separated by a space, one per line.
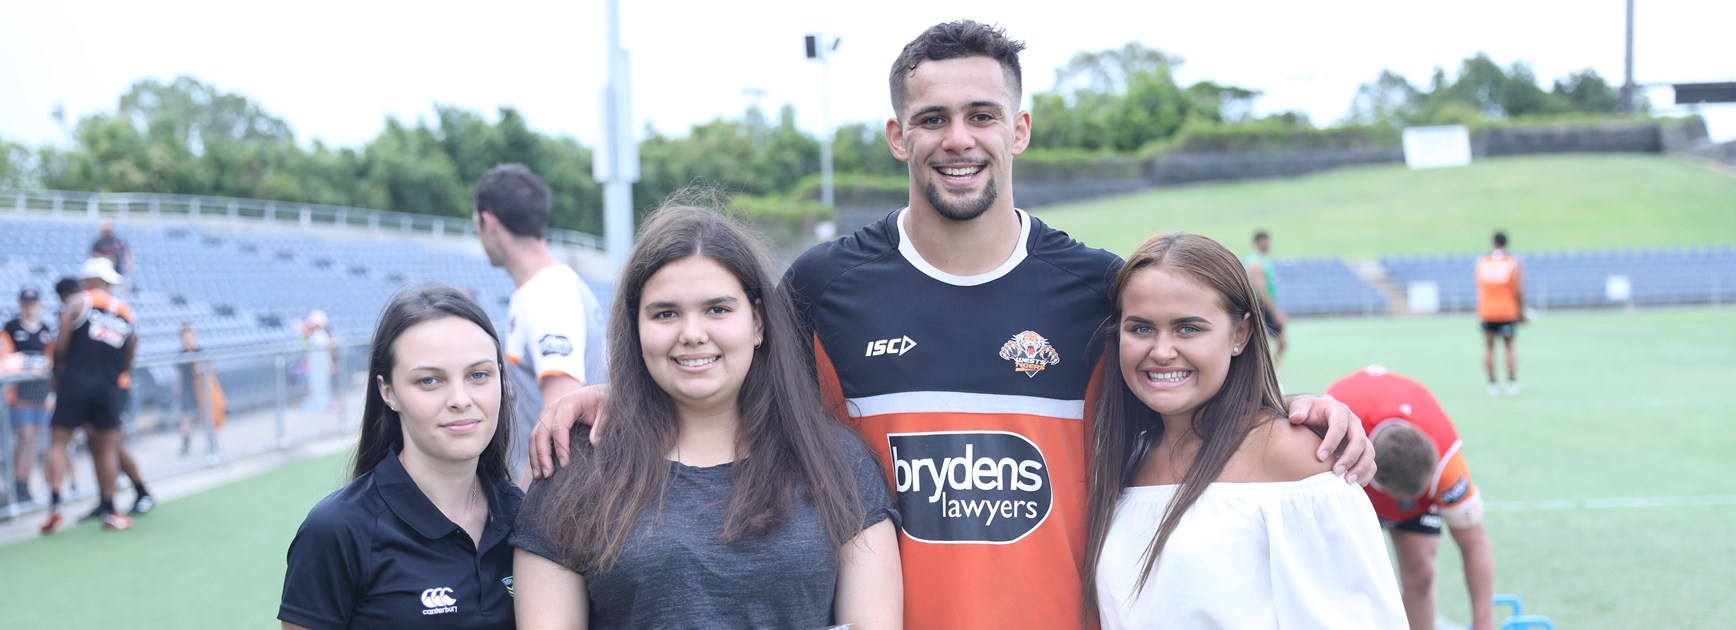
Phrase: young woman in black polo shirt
pixel 419 537
pixel 723 495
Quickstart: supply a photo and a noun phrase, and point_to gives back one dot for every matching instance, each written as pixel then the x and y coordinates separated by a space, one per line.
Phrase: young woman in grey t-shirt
pixel 724 495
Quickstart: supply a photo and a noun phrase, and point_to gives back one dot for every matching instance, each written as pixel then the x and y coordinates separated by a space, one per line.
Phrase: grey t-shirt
pixel 676 572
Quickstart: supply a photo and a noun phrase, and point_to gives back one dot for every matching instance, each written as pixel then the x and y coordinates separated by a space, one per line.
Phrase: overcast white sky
pixel 336 70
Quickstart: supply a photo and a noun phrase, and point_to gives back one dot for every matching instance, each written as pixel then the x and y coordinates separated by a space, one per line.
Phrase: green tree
pixel 1389 98
pixel 1588 93
pixel 1223 103
pixel 861 148
pixel 1118 99
pixel 16 169
pixel 406 170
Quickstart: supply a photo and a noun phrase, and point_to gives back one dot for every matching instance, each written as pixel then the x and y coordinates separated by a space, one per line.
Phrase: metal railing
pixel 58 203
pixel 272 406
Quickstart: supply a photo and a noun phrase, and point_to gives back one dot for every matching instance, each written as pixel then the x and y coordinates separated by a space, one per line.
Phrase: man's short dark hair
pixel 67 286
pixel 1260 235
pixel 1500 238
pixel 1405 460
pixel 954 40
pixel 516 197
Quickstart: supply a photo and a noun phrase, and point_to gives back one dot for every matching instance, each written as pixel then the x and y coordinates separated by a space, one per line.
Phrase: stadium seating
pixel 244 289
pixel 1325 286
pixel 1577 279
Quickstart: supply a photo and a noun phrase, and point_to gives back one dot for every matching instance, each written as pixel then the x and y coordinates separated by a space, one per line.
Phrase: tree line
pixel 188 137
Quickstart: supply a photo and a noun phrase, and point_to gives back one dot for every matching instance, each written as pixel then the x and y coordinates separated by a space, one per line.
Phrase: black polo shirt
pixel 378 554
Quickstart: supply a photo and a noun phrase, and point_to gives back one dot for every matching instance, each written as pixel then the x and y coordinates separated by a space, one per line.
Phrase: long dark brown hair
pixel 382 428
pixel 789 439
pixel 1249 397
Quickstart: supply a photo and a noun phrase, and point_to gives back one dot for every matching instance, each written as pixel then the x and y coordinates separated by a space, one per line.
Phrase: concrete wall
pixel 1603 137
pixel 1187 168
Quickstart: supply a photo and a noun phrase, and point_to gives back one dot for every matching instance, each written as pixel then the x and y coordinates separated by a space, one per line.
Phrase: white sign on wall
pixel 1618 288
pixel 1423 296
pixel 1436 147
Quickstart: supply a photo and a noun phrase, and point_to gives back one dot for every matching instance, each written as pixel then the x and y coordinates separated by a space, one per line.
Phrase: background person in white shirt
pixel 1191 424
pixel 554 331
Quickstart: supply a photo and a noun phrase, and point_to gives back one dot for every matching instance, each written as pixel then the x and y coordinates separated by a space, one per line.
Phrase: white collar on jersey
pixel 908 249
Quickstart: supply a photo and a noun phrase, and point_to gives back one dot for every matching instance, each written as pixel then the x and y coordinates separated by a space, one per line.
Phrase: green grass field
pixel 1544 202
pixel 210 560
pixel 1615 406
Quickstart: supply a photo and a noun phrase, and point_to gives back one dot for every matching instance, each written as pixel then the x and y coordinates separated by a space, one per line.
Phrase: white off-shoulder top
pixel 1297 554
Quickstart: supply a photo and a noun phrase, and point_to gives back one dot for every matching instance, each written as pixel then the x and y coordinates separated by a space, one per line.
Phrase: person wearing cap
pixel 94 356
pixel 71 292
pixel 31 339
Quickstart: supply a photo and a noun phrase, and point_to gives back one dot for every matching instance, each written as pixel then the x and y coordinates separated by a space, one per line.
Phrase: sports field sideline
pixel 1607 481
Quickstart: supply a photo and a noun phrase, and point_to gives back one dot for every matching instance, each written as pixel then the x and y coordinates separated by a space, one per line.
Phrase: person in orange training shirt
pixel 1501 306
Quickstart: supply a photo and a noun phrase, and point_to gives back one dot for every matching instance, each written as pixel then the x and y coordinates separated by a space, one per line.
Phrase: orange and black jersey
pixel 1500 286
pixel 36 345
pixel 972 390
pixel 96 343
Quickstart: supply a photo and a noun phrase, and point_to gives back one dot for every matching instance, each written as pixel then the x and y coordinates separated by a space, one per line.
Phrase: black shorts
pixel 100 408
pixel 1427 524
pixel 1273 328
pixel 1503 330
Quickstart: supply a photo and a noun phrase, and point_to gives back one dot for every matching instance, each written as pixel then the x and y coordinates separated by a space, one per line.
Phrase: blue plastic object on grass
pixel 1518 620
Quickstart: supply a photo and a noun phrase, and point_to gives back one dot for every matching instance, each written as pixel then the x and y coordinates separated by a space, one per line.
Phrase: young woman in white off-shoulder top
pixel 1207 509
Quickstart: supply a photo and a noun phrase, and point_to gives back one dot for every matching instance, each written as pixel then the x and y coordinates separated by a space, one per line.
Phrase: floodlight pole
pixel 616 163
pixel 820 47
pixel 1627 86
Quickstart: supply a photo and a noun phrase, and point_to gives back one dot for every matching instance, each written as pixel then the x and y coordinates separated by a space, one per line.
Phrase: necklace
pixel 471 506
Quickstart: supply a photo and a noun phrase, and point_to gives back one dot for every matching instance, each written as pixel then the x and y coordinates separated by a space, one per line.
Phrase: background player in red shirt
pixel 1422 481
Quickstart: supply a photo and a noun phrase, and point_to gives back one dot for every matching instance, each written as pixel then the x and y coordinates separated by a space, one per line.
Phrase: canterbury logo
pixel 1030 353
pixel 436 597
pixel 438 600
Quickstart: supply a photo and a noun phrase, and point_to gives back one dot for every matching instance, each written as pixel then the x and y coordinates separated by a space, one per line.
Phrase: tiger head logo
pixel 1030 353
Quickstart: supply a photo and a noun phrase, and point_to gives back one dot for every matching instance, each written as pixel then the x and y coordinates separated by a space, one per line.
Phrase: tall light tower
pixel 1627 87
pixel 616 164
pixel 821 47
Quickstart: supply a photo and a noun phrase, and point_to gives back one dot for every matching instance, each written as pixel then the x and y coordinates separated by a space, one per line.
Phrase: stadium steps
pixel 1372 272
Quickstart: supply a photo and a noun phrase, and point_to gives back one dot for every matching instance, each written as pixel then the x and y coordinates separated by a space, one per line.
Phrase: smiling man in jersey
pixel 1423 482
pixel 987 320
pixel 554 337
pixel 959 335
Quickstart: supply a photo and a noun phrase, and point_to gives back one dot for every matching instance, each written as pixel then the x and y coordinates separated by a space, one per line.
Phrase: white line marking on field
pixel 1443 623
pixel 1610 502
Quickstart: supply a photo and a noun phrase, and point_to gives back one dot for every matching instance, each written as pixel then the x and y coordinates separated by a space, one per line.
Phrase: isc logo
pixel 897 346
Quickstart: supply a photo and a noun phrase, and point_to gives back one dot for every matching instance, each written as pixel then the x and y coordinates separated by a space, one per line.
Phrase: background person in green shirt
pixel 1264 275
